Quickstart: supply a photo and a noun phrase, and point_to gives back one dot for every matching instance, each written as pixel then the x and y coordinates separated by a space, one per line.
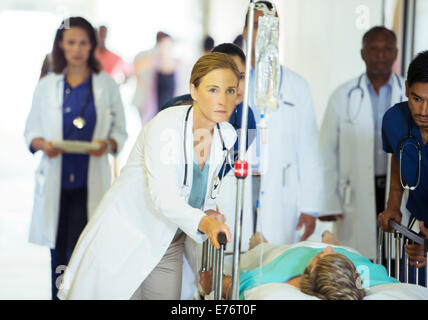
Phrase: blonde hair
pixel 210 62
pixel 332 277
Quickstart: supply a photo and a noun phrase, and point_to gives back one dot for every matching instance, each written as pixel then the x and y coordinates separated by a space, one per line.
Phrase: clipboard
pixel 75 146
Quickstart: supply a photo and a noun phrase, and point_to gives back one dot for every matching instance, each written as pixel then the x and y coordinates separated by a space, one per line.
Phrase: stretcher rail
pixel 401 232
pixel 409 234
pixel 213 258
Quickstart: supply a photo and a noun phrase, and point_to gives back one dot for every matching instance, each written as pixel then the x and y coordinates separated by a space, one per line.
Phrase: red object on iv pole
pixel 241 169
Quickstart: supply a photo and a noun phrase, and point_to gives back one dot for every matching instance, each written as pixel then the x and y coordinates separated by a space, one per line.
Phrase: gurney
pixel 282 291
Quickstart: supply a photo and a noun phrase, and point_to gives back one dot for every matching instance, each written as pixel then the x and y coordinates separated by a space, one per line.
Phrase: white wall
pixel 322 41
pixel 421 27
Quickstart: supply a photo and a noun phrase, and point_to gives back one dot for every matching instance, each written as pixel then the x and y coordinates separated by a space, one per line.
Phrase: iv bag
pixel 267 73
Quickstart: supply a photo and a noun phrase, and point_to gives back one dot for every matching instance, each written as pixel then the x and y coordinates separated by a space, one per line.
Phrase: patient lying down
pixel 327 273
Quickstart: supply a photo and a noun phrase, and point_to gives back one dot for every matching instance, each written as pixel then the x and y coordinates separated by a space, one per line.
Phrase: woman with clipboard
pixel 75 103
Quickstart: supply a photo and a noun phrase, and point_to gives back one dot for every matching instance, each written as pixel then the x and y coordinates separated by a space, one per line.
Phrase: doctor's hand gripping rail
pixel 214 258
pixel 408 235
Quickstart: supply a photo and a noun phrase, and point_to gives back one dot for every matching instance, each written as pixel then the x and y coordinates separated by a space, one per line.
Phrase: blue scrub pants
pixel 72 221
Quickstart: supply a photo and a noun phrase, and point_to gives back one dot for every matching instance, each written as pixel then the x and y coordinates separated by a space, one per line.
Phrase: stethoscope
pixel 216 186
pixel 79 122
pixel 410 139
pixel 359 88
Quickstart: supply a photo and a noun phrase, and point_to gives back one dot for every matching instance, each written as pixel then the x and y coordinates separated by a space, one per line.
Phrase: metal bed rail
pixel 213 258
pixel 409 237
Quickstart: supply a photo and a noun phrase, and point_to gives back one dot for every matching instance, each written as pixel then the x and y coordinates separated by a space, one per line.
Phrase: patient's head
pixel 332 276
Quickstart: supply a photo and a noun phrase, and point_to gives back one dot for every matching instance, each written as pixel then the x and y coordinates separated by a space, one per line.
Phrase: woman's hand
pixel 50 150
pixel 416 251
pixel 212 227
pixel 216 215
pixel 103 148
pixel 385 217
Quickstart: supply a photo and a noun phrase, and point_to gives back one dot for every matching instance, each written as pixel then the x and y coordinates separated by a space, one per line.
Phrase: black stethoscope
pixel 79 122
pixel 216 183
pixel 359 88
pixel 410 139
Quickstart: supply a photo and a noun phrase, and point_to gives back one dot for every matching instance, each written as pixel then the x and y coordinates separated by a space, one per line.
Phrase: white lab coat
pixel 348 148
pixel 292 179
pixel 139 215
pixel 45 121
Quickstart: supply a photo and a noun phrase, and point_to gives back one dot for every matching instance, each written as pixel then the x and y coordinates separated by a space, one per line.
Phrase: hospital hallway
pixel 319 40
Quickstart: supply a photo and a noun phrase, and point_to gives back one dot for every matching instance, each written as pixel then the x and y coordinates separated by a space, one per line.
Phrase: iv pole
pixel 241 165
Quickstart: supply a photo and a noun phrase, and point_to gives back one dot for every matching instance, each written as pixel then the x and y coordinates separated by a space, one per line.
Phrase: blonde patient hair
pixel 332 277
pixel 210 62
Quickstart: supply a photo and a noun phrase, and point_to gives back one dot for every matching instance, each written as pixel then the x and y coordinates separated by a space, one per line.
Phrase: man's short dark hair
pixel 267 3
pixel 418 69
pixel 230 49
pixel 208 43
pixel 160 35
pixel 378 29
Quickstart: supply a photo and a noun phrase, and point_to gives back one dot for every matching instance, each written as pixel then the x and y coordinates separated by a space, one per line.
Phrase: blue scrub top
pixel 395 127
pixel 75 166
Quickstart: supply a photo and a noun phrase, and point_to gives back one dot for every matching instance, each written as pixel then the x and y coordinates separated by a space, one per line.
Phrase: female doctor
pixel 76 102
pixel 133 248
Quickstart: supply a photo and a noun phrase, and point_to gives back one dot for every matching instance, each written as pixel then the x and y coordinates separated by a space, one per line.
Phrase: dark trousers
pixel 380 183
pixel 72 221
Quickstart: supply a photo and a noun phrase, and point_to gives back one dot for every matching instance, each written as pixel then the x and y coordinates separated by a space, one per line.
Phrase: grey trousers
pixel 164 282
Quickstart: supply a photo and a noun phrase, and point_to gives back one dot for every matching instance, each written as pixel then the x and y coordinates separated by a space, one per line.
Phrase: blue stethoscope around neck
pixel 358 87
pixel 412 140
pixel 217 181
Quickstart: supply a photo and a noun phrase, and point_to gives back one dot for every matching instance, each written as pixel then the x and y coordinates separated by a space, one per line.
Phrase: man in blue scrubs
pixel 408 122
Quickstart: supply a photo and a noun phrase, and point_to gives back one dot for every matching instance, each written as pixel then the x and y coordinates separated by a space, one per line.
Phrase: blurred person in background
pixel 111 63
pixel 207 44
pixel 156 71
pixel 77 101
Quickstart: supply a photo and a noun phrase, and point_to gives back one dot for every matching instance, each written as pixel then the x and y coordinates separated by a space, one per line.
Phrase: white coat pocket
pixel 289 184
pixel 40 179
pixel 346 193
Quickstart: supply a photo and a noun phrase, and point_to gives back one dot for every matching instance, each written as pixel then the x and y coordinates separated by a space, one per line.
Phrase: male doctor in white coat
pixel 355 163
pixel 290 194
